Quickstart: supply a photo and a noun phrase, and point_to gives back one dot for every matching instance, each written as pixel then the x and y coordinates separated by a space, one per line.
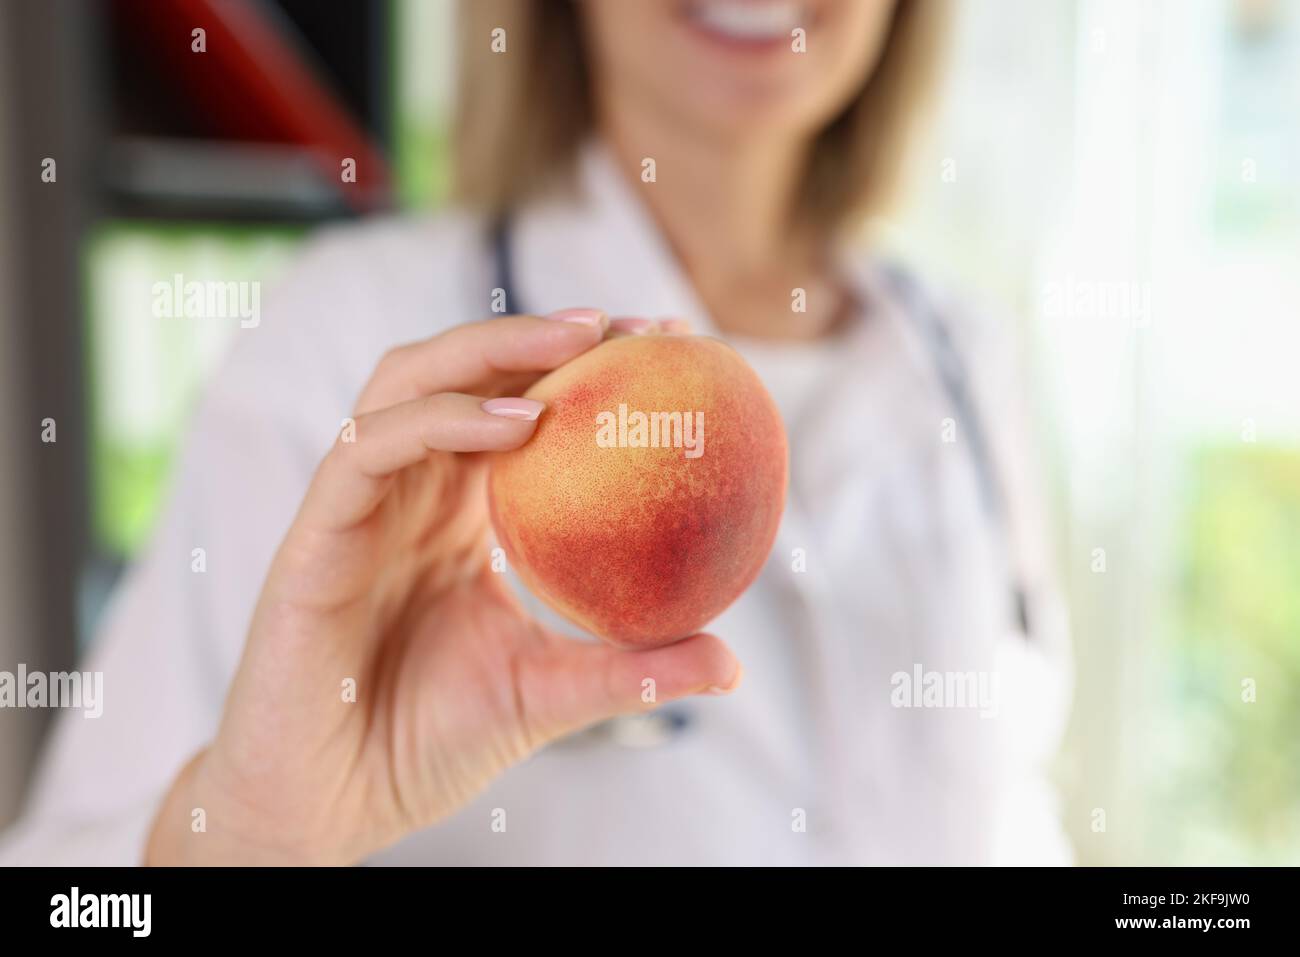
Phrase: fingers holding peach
pixel 479 356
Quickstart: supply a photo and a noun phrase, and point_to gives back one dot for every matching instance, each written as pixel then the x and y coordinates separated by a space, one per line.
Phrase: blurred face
pixel 733 67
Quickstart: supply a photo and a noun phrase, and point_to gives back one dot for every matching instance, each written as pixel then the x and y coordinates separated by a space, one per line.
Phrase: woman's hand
pixel 388 673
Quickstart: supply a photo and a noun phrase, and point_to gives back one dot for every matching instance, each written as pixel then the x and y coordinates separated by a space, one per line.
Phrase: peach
pixel 649 497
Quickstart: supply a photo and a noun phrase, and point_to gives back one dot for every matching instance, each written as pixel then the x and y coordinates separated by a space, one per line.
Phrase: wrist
pixel 202 821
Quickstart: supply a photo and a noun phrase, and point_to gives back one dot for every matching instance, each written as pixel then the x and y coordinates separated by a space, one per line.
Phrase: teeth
pixel 750 21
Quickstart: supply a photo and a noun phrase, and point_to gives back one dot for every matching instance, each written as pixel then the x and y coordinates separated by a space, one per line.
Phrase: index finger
pixel 466 358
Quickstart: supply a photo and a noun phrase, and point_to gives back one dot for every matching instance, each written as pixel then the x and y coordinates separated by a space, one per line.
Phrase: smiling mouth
pixel 748 23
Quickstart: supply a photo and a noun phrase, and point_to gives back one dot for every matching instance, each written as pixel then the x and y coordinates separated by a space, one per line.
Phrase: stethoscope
pixel 951 372
pixel 671 721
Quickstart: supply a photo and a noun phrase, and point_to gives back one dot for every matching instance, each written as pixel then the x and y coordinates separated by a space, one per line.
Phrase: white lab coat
pixel 809 762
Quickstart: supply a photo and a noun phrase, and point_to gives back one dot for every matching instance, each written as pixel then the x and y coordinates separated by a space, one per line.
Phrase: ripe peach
pixel 649 496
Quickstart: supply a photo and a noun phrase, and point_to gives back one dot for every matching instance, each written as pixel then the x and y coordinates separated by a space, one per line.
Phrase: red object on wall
pixel 255 82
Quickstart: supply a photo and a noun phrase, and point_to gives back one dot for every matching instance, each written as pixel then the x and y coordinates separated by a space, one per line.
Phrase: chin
pixel 739 70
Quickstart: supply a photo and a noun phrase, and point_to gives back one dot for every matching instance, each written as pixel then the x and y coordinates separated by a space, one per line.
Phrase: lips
pixel 748 21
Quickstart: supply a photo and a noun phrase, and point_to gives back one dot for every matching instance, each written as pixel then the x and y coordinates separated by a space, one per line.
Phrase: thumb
pixel 579 684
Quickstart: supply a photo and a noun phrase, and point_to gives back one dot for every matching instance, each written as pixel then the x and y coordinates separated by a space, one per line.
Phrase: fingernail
pixel 583 317
pixel 511 408
pixel 632 326
pixel 673 326
pixel 735 682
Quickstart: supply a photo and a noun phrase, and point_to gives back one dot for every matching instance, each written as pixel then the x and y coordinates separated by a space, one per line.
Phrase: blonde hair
pixel 520 118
